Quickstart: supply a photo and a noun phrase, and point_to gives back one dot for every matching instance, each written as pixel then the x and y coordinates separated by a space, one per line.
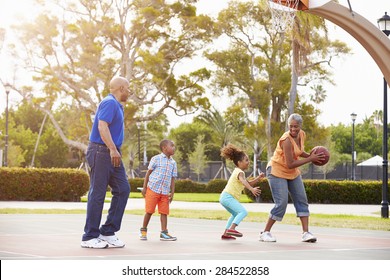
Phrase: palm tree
pixel 309 36
pixel 304 23
pixel 224 133
pixel 378 120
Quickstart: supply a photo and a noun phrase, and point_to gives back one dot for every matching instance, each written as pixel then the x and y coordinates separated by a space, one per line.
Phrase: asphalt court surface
pixel 57 237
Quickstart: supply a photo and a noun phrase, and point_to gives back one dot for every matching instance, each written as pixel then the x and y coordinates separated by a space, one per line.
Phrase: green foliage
pixel 197 159
pixel 39 184
pixel 259 67
pixel 368 139
pixel 79 48
pixel 135 184
pixel 185 136
pixel 332 192
pixel 189 186
pixel 35 184
pixel 216 185
pixel 24 126
pixel 266 195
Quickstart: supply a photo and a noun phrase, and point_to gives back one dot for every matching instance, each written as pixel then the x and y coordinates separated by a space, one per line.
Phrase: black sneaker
pixel 164 236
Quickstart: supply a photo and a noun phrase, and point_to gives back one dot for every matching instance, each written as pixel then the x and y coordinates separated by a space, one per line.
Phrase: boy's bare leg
pixel 164 222
pixel 146 220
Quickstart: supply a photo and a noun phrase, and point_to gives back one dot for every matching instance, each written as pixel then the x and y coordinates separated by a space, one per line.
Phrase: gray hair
pixel 295 117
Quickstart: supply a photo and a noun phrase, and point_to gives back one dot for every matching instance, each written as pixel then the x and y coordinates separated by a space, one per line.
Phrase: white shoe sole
pixel 267 240
pixel 115 246
pixel 92 247
pixel 163 239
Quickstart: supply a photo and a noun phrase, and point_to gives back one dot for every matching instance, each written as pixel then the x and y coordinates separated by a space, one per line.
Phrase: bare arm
pixel 256 191
pixel 145 186
pixel 256 180
pixel 107 139
pixel 292 163
pixel 172 189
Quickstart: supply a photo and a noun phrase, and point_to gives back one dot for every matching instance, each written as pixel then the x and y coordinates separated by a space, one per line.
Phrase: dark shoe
pixel 165 236
pixel 233 232
pixel 227 237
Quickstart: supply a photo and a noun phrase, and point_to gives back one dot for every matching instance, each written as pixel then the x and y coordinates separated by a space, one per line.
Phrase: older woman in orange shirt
pixel 285 178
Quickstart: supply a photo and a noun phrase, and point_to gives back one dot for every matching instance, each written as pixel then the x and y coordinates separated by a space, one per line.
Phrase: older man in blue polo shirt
pixel 106 168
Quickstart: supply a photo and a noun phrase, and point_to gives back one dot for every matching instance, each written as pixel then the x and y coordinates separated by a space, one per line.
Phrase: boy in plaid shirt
pixel 159 188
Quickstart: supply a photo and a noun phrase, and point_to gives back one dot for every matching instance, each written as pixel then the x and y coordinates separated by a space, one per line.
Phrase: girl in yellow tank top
pixel 230 196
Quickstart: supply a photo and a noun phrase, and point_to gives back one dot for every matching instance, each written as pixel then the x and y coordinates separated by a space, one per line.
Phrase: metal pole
pixel 139 146
pixel 353 150
pixel 385 203
pixel 145 156
pixel 6 131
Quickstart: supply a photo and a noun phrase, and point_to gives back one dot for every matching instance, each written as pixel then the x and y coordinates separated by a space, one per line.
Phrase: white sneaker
pixel 308 237
pixel 94 243
pixel 266 236
pixel 112 241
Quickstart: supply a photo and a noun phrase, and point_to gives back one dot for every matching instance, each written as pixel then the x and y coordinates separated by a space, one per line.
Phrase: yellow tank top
pixel 278 160
pixel 234 185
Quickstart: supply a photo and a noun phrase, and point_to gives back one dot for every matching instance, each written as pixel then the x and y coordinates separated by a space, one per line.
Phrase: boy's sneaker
pixel 233 232
pixel 308 237
pixel 94 243
pixel 164 236
pixel 227 237
pixel 143 234
pixel 112 241
pixel 266 236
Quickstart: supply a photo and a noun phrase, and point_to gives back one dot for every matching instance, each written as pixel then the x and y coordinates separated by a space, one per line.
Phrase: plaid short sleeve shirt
pixel 164 169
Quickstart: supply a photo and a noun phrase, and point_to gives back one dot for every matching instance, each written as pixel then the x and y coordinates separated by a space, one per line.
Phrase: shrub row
pixel 25 184
pixel 333 192
pixel 39 184
pixel 318 191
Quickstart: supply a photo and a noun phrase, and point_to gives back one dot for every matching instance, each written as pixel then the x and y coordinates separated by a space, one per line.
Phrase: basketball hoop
pixel 283 14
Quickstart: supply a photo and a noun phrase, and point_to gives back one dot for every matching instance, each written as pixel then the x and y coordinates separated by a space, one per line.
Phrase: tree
pixel 76 50
pixel 367 138
pixel 223 134
pixel 25 128
pixel 185 136
pixel 197 159
pixel 310 52
pixel 257 63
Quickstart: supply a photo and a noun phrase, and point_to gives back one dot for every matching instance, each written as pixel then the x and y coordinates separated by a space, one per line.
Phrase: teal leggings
pixel 234 207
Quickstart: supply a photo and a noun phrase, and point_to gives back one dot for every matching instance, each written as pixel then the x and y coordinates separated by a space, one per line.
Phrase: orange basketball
pixel 321 149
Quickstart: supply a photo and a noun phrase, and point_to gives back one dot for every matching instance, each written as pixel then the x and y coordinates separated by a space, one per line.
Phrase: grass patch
pixel 320 220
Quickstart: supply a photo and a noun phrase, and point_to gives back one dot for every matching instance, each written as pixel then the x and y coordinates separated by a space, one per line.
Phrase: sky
pixel 358 80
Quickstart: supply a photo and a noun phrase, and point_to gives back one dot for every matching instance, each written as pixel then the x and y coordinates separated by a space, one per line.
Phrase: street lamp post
pixel 145 156
pixel 139 144
pixel 353 117
pixel 7 90
pixel 384 25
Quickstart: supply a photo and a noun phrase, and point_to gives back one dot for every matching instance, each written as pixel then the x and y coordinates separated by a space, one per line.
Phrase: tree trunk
pixel 71 143
pixel 294 81
pixel 268 133
pixel 37 143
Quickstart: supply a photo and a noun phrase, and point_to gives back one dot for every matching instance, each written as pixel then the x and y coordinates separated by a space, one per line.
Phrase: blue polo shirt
pixel 110 111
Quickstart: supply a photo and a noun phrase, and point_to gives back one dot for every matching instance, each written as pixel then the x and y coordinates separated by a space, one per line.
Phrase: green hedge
pixel 39 184
pixel 333 192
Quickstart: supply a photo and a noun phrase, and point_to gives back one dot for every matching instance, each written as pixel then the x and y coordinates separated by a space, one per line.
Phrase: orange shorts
pixel 153 199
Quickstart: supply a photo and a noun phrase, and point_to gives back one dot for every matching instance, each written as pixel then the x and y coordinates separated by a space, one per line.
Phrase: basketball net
pixel 283 15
